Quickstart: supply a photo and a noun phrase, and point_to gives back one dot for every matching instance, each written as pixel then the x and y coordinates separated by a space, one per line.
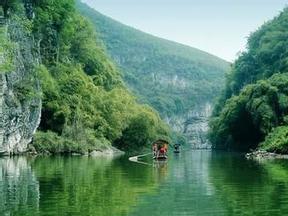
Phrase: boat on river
pixel 176 148
pixel 160 149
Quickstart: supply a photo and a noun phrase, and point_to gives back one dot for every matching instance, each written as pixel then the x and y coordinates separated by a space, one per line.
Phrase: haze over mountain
pixel 177 80
pixel 220 27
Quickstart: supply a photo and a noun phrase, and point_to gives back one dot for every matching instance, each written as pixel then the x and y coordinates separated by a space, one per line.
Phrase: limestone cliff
pixel 20 101
pixel 194 125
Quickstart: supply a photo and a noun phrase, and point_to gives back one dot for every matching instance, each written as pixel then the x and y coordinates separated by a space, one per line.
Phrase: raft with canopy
pixel 160 149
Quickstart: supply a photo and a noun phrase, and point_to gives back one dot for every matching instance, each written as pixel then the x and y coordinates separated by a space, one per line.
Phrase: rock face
pixel 20 102
pixel 260 155
pixel 106 152
pixel 194 125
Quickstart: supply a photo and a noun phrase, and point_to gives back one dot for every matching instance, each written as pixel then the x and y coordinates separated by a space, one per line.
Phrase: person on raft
pixel 155 150
pixel 163 149
pixel 176 147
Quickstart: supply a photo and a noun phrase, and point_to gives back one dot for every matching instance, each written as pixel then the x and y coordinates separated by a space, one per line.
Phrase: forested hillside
pixel 171 77
pixel 254 106
pixel 85 103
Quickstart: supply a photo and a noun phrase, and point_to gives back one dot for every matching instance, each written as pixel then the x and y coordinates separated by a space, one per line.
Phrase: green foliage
pixel 6 52
pixel 170 77
pixel 266 55
pixel 276 141
pixel 23 91
pixel 65 36
pixel 246 114
pixel 85 104
pixel 50 142
pixel 143 128
pixel 74 107
pixel 81 184
pixel 9 5
pixel 247 118
pixel 179 138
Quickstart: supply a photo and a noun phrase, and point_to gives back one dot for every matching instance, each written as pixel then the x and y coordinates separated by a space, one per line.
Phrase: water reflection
pixel 89 186
pixel 247 187
pixel 160 170
pixel 192 183
pixel 72 185
pixel 19 187
pixel 186 190
pixel 206 183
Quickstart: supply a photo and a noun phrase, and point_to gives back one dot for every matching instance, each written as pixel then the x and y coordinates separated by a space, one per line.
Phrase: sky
pixel 220 27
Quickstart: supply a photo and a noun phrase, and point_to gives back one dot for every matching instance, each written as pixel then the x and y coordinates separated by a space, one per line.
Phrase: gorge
pixel 83 97
pixel 178 81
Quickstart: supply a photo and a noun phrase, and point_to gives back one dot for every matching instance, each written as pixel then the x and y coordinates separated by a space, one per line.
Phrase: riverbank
pixel 104 151
pixel 261 154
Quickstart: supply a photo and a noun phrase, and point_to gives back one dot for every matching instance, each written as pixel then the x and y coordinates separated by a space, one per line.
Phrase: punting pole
pixel 135 158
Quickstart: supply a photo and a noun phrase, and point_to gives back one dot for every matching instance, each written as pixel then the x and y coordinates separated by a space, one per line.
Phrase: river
pixel 191 183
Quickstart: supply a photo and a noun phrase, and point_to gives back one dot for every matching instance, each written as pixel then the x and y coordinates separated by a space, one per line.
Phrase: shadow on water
pixel 191 183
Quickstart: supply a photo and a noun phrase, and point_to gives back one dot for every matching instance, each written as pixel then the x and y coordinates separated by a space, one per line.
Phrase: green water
pixel 194 183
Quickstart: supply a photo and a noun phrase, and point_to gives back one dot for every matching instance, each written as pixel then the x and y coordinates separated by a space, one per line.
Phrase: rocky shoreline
pixel 261 154
pixel 107 151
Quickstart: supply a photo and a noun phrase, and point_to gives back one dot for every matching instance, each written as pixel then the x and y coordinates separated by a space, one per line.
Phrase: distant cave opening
pixel 246 134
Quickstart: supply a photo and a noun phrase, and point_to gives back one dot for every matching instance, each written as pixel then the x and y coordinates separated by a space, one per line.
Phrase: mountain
pixel 253 110
pixel 54 74
pixel 180 82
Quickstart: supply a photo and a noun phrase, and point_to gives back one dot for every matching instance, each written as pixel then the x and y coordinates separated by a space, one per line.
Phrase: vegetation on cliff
pixel 5 51
pixel 85 103
pixel 170 77
pixel 254 105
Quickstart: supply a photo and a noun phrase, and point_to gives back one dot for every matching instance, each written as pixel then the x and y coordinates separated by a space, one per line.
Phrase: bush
pixel 246 119
pixel 49 142
pixel 276 141
pixel 256 93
